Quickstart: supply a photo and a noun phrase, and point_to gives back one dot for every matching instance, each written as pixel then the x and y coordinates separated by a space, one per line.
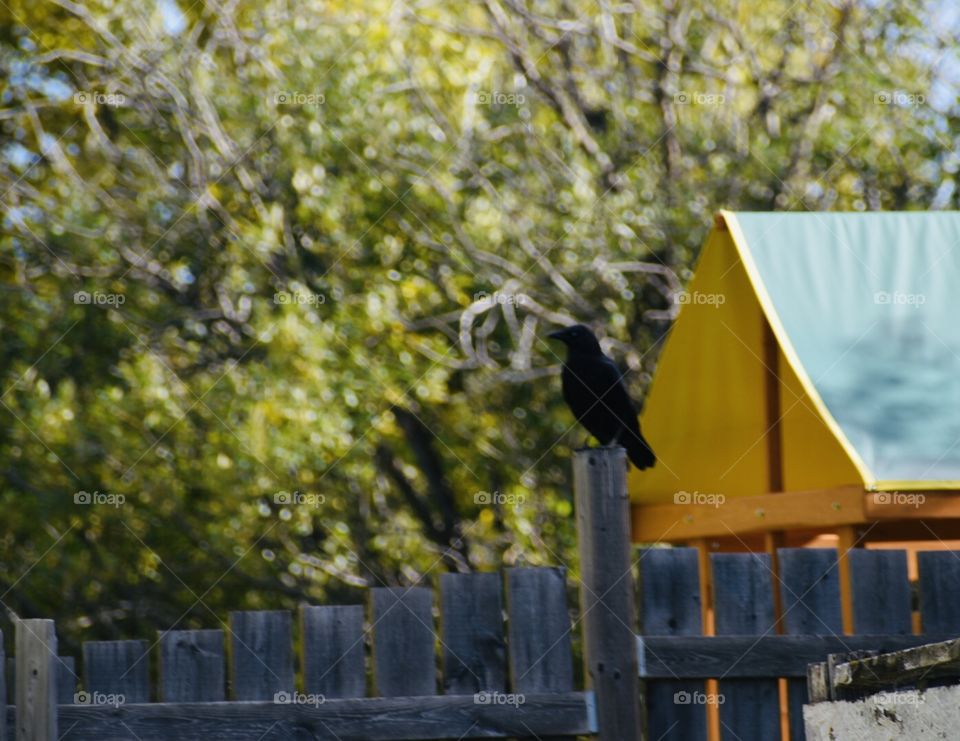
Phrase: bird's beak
pixel 560 334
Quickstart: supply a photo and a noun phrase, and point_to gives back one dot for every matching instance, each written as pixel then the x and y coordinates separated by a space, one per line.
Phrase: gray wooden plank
pixel 116 671
pixel 471 630
pixel 743 605
pixel 670 605
pixel 810 594
pixel 36 654
pixel 261 653
pixel 333 650
pixel 539 649
pixel 701 657
pixel 939 573
pixel 881 591
pixel 372 719
pixel 403 641
pixel 192 666
pixel 607 590
pixel 67 680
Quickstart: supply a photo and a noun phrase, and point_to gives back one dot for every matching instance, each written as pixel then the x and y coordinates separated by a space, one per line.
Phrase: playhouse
pixel 810 388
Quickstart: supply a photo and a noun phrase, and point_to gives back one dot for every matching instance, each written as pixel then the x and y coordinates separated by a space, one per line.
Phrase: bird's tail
pixel 639 452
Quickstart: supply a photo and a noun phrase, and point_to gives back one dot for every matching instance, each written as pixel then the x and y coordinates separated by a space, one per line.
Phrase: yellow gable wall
pixel 705 414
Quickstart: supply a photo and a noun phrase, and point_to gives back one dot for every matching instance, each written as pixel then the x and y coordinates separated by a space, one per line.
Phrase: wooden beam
pixel 377 719
pixel 36 682
pixel 820 509
pixel 753 657
pixel 774 432
pixel 912 505
pixel 607 594
pixel 847 540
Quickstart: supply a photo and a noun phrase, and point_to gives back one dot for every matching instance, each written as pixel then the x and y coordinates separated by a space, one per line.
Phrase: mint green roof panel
pixel 871 304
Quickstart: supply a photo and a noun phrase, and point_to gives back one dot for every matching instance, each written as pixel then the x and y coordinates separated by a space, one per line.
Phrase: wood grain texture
pixel 403 641
pixel 701 657
pixel 939 573
pixel 115 668
pixel 333 651
pixel 471 630
pixel 743 599
pixel 67 680
pixel 261 653
pixel 192 666
pixel 607 590
pixel 539 647
pixel 810 589
pixel 670 606
pixel 36 689
pixel 881 592
pixel 367 719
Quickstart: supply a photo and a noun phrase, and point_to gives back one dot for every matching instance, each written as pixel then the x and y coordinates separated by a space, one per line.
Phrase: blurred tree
pixel 277 274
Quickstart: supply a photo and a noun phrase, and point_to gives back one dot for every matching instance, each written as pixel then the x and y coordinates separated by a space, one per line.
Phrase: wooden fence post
pixel 36 683
pixel 607 593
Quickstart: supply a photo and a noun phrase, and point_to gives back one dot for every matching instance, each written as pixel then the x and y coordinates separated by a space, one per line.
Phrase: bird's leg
pixel 616 440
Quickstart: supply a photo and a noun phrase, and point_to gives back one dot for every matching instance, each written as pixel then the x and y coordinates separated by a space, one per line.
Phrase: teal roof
pixel 871 304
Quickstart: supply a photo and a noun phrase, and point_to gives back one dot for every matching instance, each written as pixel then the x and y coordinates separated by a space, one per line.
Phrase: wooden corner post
pixel 607 592
pixel 36 680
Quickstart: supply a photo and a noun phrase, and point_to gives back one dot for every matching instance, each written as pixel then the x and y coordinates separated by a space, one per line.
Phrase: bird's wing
pixel 616 398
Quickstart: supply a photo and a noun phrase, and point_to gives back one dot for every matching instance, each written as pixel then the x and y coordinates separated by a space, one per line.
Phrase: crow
pixel 593 389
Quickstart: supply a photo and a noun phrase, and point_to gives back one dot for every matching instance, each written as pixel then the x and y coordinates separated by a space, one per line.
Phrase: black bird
pixel 593 389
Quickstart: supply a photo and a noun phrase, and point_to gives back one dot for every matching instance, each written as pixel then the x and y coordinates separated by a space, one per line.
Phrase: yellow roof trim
pixel 914 486
pixel 786 346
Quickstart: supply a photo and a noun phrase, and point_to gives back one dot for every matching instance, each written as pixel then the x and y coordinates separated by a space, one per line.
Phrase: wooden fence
pixel 502 652
pixel 747 655
pixel 497 681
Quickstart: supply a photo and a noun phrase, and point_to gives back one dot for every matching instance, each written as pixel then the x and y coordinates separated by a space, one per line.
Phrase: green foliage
pixel 307 210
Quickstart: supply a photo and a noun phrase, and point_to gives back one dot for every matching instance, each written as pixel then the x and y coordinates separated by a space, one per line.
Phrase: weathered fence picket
pixel 670 606
pixel 472 640
pixel 192 666
pixel 403 638
pixel 744 606
pixel 810 595
pixel 333 651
